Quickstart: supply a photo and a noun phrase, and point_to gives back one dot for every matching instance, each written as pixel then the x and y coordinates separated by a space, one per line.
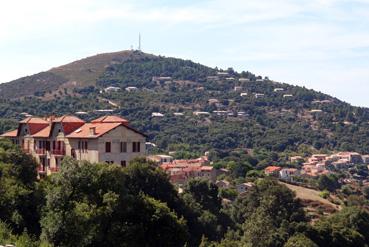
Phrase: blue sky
pixel 320 44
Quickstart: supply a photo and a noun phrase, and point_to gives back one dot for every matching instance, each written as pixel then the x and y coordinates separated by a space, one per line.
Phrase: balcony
pixel 41 151
pixel 26 150
pixel 58 152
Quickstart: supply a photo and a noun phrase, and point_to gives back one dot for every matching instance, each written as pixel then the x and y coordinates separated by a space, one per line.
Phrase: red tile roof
pixel 34 120
pixel 12 133
pixel 207 168
pixel 271 169
pixel 68 119
pixel 110 119
pixel 35 124
pixel 44 133
pixel 100 129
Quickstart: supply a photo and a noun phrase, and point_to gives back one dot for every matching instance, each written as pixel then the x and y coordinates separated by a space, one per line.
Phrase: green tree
pixel 328 182
pixel 90 205
pixel 349 227
pixel 19 203
pixel 300 240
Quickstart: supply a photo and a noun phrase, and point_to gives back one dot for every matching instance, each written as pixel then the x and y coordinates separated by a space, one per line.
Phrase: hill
pixel 77 74
pixel 204 108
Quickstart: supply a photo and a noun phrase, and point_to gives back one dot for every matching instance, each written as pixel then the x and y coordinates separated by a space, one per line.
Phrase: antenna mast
pixel 139 41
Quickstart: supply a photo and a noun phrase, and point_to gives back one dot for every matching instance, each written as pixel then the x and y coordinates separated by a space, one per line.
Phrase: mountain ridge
pixel 80 73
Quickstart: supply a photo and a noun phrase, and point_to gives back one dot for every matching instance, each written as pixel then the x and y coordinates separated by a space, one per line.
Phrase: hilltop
pixel 78 74
pixel 196 108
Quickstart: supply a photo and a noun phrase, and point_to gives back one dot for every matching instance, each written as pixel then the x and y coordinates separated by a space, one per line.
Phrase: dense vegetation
pixel 107 205
pixel 272 122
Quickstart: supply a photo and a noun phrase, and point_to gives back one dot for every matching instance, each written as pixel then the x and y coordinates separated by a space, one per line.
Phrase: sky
pixel 319 44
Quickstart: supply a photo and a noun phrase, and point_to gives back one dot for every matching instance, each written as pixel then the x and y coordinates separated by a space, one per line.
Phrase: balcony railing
pixel 58 152
pixel 40 151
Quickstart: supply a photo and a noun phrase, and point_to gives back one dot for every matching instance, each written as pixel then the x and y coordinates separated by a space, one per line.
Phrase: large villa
pixel 107 139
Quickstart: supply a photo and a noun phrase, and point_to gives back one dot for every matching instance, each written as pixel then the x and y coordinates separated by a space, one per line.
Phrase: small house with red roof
pixel 272 170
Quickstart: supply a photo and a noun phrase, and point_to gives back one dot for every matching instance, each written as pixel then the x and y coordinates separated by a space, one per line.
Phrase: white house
pixel 178 114
pixel 201 113
pixel 244 80
pixel 259 95
pixel 157 114
pixel 111 89
pixel 288 173
pixel 130 89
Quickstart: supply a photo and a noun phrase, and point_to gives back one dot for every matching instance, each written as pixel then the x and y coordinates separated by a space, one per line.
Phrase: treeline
pixel 107 205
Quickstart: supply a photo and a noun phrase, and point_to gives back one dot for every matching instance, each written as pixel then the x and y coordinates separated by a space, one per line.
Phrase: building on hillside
pixel 222 73
pixel 107 139
pixel 294 159
pixel 131 89
pixel 157 114
pixel 316 111
pixel 223 184
pixel 201 113
pixel 259 95
pixel 352 157
pixel 177 114
pixel 244 80
pixel 111 89
pixel 221 113
pixel 160 158
pixel 287 95
pixel 288 174
pixel 365 159
pixel 213 101
pixel 181 173
pixel 161 78
pixel 244 187
pixel 272 171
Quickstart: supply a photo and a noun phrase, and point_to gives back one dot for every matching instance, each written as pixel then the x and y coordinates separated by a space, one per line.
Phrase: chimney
pixel 92 131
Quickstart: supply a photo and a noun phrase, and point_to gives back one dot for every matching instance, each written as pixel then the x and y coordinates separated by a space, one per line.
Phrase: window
pixel 136 147
pixel 109 162
pixel 123 163
pixel 123 147
pixel 83 146
pixel 107 147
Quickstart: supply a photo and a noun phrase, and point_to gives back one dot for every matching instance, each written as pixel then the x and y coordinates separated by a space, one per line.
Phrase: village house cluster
pixel 318 164
pixel 180 171
pixel 107 139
